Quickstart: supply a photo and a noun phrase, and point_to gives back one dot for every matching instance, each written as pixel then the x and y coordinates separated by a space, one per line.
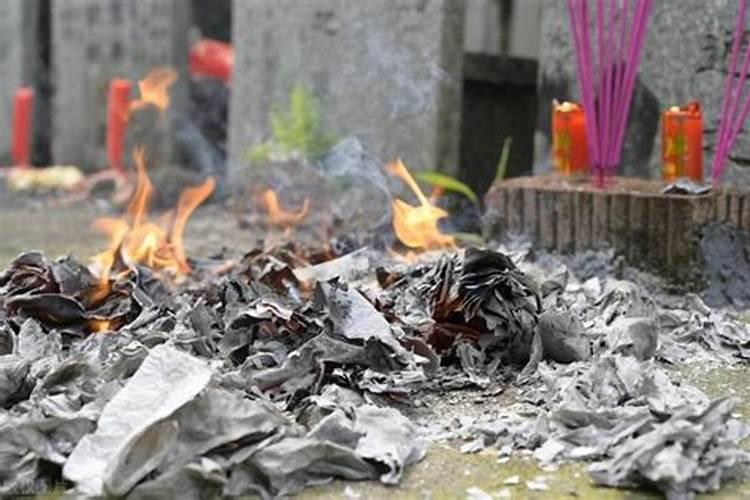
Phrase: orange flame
pixel 277 216
pixel 158 245
pixel 154 89
pixel 417 226
pixel 190 199
pixel 99 325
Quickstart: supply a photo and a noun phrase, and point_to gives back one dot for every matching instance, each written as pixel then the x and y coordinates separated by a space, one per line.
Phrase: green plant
pixel 295 131
pixel 448 183
pixel 502 164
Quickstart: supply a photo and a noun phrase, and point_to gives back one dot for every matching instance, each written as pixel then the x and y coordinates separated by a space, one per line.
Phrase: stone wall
pixel 386 71
pixel 17 61
pixel 684 59
pixel 96 40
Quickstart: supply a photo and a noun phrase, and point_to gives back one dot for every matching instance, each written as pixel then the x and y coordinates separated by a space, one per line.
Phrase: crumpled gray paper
pixel 165 381
pixel 195 481
pixel 388 438
pixel 13 371
pixel 286 467
pixel 563 337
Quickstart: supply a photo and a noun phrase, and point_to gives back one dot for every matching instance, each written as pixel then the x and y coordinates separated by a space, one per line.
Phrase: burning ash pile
pixel 148 376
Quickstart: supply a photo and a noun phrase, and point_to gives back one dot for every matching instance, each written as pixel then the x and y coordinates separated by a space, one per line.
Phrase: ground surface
pixel 445 473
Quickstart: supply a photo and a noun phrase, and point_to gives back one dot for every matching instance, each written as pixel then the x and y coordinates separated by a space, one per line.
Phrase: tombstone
pixel 97 40
pixel 386 71
pixel 685 59
pixel 17 61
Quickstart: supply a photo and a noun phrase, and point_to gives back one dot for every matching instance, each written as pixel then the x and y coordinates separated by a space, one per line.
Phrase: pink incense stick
pixel 601 110
pixel 589 85
pixel 640 24
pixel 619 72
pixel 610 66
pixel 729 129
pixel 607 73
pixel 643 10
pixel 580 39
pixel 722 140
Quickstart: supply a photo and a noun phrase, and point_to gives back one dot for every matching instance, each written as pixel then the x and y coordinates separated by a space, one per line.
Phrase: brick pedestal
pixel 651 230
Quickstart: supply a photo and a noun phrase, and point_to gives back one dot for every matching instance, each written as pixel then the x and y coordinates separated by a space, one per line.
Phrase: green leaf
pixel 261 152
pixel 448 183
pixel 470 238
pixel 298 128
pixel 502 165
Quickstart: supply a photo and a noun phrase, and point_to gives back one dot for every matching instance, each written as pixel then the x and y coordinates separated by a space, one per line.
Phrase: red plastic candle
pixel 23 109
pixel 682 143
pixel 118 109
pixel 569 145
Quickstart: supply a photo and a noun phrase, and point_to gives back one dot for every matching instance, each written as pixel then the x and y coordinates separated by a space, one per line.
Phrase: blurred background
pixel 462 109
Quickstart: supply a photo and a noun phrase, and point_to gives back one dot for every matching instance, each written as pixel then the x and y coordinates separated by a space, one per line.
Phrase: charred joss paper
pixel 132 435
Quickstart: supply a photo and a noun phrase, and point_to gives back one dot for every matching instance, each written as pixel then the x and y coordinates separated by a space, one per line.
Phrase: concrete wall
pixel 503 27
pixel 17 61
pixel 386 71
pixel 97 40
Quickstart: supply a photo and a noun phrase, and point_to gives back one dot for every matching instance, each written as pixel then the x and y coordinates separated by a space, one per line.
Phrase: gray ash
pixel 298 365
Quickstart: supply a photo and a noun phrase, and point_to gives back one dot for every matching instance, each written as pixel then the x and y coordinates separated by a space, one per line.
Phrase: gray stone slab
pixel 685 59
pixel 97 40
pixel 17 60
pixel 386 71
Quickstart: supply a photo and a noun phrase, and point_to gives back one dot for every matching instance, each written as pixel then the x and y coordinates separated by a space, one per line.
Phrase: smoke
pixel 409 96
pixel 409 85
pixel 357 189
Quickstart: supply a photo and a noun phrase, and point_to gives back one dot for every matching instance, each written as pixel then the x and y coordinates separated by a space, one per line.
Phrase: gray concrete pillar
pixel 386 71
pixel 97 40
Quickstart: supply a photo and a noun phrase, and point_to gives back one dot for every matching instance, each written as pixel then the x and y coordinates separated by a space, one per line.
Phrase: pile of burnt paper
pixel 283 374
pixel 598 388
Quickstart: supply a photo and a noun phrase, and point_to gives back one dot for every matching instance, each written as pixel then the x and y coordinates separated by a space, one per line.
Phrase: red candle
pixel 682 143
pixel 23 109
pixel 569 145
pixel 212 58
pixel 118 109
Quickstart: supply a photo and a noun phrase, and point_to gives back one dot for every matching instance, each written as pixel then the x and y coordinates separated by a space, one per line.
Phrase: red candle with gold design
pixel 682 143
pixel 570 153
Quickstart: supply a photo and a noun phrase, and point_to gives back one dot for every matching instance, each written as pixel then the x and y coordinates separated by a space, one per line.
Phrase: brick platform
pixel 653 231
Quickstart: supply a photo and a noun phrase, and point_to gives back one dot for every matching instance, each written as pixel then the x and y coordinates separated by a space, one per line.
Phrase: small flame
pixel 99 325
pixel 417 226
pixel 278 216
pixel 190 199
pixel 154 89
pixel 158 245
